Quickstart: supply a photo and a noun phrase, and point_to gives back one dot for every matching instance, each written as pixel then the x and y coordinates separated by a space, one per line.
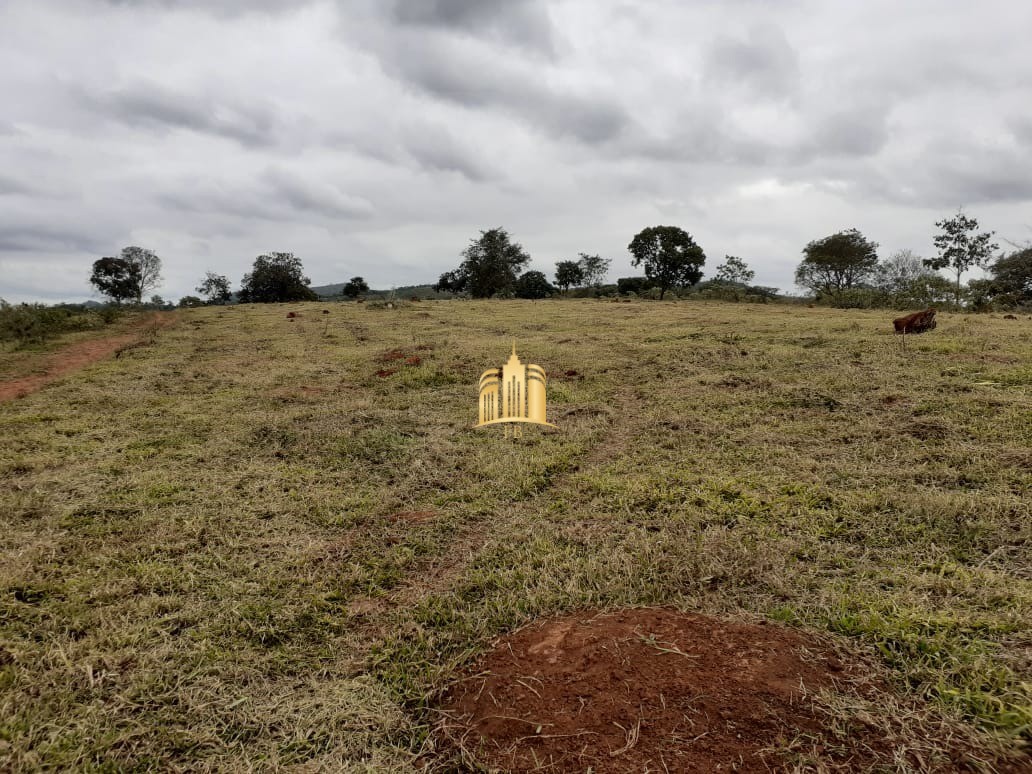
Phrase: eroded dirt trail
pixel 79 355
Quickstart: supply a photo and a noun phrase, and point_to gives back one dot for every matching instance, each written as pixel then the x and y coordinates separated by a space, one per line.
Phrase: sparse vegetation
pixel 240 547
pixel 24 324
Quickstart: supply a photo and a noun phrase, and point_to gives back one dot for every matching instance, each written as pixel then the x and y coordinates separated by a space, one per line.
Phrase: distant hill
pixel 420 291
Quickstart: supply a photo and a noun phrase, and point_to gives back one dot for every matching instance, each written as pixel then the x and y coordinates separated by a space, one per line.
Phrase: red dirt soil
pixel 76 356
pixel 662 691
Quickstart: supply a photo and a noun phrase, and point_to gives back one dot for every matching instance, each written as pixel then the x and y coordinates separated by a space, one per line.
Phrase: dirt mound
pixel 76 356
pixel 654 690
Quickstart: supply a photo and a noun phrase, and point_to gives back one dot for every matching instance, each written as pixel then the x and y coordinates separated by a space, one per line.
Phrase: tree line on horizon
pixel 842 269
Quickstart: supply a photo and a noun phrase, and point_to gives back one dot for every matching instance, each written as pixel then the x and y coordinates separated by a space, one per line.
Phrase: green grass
pixel 201 563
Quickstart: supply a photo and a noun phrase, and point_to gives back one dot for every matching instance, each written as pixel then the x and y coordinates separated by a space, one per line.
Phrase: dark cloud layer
pixel 520 22
pixel 45 238
pixel 475 78
pixel 763 62
pixel 149 105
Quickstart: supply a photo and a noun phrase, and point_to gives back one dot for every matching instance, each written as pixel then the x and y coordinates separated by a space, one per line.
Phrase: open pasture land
pixel 263 543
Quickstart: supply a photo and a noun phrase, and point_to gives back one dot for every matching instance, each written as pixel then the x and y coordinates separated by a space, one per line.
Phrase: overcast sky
pixel 377 137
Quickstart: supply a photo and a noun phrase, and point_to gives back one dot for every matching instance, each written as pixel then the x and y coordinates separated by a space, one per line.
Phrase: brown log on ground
pixel 918 322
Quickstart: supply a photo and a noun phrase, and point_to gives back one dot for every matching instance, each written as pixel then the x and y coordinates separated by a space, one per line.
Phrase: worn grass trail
pixel 206 562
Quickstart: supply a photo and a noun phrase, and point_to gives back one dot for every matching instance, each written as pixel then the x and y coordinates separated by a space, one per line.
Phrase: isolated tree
pixel 355 287
pixel 215 288
pixel 116 278
pixel 533 284
pixel 899 270
pixel 837 263
pixel 670 256
pixel 906 281
pixel 961 247
pixel 276 277
pixel 148 267
pixel 734 270
pixel 594 268
pixel 490 266
pixel 568 274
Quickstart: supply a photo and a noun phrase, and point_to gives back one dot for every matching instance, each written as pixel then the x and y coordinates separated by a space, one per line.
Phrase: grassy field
pixel 239 547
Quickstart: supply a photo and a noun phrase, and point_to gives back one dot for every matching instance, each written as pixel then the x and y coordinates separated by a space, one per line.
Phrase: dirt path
pixel 80 354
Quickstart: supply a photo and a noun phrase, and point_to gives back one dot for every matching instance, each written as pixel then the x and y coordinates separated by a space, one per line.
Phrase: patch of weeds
pixel 375 446
pixel 1017 377
pixel 811 342
pixel 945 655
pixel 152 447
pixel 88 519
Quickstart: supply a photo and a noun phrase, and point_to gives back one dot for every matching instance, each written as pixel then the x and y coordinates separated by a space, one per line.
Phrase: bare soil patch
pixel 78 355
pixel 658 690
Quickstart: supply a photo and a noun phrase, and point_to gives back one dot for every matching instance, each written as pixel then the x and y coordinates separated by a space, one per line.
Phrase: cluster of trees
pixel 493 264
pixel 274 277
pixel 128 277
pixel 843 269
pixel 588 271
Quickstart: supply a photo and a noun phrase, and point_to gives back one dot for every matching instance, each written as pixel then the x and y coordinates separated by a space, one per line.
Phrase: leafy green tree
pixel 594 268
pixel 148 269
pixel 188 302
pixel 450 282
pixel 490 266
pixel 837 263
pixel 533 284
pixel 355 287
pixel 961 247
pixel 670 256
pixel 568 274
pixel 734 270
pixel 215 288
pixel 276 277
pixel 1011 282
pixel 116 278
